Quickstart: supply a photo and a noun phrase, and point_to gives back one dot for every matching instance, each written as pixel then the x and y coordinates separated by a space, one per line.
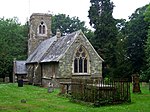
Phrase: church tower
pixel 39 30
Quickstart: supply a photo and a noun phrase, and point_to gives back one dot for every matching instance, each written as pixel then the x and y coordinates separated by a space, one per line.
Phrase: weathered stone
pixel 136 83
pixel 35 38
pixel 50 87
pixel 46 68
pixel 6 79
pixel 1 79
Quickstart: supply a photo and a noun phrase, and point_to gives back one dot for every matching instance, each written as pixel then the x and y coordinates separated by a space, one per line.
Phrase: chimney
pixel 58 34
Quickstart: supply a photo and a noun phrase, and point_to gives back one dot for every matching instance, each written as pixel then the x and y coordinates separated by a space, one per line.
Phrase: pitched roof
pixel 41 50
pixel 20 67
pixel 52 49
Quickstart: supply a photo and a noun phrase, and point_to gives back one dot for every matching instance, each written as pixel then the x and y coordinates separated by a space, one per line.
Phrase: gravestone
pixel 136 83
pixel 1 79
pixel 50 87
pixel 6 79
pixel 63 90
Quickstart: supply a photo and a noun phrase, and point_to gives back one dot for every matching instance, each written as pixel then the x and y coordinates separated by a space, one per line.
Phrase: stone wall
pixel 66 62
pixel 34 38
pixel 49 70
pixel 46 82
pixel 30 73
pixel 49 74
pixel 34 73
pixel 37 75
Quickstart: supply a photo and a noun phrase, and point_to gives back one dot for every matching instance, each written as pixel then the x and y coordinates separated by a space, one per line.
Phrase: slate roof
pixel 52 49
pixel 20 67
pixel 41 50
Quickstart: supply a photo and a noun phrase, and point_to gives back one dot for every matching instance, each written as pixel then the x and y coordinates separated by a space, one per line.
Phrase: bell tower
pixel 39 30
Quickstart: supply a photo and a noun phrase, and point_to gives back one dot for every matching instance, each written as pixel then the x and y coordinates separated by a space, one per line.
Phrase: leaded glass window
pixel 75 65
pixel 42 28
pixel 81 60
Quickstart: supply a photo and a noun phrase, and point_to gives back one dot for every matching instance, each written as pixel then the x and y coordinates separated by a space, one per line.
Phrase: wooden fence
pixel 100 92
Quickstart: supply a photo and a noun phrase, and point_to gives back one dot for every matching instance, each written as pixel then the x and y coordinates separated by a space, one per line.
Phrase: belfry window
pixel 42 28
pixel 81 61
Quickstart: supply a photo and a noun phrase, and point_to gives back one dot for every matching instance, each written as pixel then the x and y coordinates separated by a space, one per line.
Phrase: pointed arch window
pixel 81 61
pixel 42 28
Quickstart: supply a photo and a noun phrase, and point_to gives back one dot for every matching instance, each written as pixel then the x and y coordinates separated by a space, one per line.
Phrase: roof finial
pixel 58 33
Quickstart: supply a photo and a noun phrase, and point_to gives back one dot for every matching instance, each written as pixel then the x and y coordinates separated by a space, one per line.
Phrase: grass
pixel 39 100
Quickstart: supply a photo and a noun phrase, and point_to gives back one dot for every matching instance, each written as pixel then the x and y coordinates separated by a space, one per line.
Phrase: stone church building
pixel 54 59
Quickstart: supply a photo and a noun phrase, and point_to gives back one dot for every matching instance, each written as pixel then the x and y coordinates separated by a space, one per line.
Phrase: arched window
pixel 42 28
pixel 81 61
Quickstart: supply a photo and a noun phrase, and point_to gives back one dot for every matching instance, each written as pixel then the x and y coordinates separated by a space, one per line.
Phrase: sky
pixel 79 8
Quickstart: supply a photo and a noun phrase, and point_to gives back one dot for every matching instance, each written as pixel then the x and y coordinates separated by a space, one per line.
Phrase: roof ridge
pixel 52 49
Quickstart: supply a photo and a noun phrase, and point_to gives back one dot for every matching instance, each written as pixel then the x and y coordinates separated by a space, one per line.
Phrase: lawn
pixel 39 100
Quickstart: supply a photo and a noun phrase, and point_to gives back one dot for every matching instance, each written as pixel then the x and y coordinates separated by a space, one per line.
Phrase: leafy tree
pixel 123 66
pixel 136 34
pixel 101 19
pixel 67 24
pixel 146 74
pixel 13 44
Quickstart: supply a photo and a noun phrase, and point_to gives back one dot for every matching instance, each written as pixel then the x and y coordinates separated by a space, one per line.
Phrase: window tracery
pixel 81 61
pixel 42 28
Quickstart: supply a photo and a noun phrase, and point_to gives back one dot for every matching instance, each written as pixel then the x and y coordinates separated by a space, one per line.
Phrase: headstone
pixel 50 88
pixel 6 79
pixel 20 83
pixel 136 83
pixel 63 90
pixel 1 79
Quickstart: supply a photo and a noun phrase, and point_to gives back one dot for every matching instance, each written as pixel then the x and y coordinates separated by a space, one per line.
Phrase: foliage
pixel 136 33
pixel 67 24
pixel 13 44
pixel 123 66
pixel 130 44
pixel 146 74
pixel 104 41
pixel 39 100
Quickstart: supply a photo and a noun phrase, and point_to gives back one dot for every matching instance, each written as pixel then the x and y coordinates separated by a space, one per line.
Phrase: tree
pixel 136 35
pixel 146 73
pixel 67 24
pixel 13 44
pixel 101 19
pixel 123 66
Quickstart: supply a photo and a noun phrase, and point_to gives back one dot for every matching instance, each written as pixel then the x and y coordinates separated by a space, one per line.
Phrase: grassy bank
pixel 39 100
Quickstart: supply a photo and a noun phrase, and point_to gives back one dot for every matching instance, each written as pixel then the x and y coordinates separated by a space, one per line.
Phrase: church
pixel 55 59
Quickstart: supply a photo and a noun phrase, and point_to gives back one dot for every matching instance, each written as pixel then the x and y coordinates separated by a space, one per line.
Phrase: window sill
pixel 42 34
pixel 81 74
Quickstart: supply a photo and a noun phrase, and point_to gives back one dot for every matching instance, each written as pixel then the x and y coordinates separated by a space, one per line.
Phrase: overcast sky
pixel 24 8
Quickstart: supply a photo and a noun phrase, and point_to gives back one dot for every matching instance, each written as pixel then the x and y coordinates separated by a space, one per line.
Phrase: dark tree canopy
pixel 67 24
pixel 101 19
pixel 13 44
pixel 146 73
pixel 136 33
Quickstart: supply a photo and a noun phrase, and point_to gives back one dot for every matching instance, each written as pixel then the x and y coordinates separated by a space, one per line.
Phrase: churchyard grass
pixel 37 99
